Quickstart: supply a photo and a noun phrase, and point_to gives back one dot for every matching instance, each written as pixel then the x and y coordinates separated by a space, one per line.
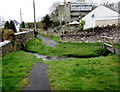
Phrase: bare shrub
pixel 7 34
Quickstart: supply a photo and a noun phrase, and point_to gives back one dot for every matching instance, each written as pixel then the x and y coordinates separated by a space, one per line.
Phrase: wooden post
pixel 105 46
pixel 35 28
pixel 110 39
pixel 113 46
pixel 104 42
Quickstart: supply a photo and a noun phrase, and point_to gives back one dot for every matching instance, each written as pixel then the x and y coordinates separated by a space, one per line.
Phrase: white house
pixel 101 16
pixel 17 25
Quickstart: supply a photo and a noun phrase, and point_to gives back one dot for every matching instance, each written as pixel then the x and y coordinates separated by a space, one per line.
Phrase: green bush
pixel 22 25
pixel 81 25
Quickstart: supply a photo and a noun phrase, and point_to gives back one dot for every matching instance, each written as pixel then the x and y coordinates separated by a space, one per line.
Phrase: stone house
pixel 71 11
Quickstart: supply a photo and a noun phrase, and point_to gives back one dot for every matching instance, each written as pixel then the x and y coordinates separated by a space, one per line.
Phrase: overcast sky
pixel 10 9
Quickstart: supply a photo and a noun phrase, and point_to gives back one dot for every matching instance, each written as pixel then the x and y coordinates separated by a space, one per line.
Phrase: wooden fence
pixel 108 41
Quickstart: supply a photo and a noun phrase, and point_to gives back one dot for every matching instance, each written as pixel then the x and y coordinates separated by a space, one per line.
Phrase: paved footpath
pixel 38 78
pixel 48 41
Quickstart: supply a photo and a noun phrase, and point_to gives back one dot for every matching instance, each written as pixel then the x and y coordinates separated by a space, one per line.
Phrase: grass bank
pixel 100 73
pixel 15 70
pixel 63 49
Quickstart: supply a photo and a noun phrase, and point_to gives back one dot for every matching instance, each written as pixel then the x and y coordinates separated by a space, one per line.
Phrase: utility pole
pixel 20 16
pixel 34 15
pixel 35 29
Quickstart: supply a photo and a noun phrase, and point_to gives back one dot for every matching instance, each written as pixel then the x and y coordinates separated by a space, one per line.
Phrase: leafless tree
pixel 112 5
pixel 54 5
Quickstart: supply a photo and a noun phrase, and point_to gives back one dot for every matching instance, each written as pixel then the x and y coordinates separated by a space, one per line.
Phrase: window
pixel 93 15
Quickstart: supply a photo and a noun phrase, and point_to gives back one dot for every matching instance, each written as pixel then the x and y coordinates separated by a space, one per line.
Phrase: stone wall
pixel 6 47
pixel 0 36
pixel 92 36
pixel 20 39
pixel 107 22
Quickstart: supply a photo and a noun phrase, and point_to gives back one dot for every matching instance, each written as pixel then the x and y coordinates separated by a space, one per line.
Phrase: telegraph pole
pixel 35 29
pixel 20 16
pixel 34 15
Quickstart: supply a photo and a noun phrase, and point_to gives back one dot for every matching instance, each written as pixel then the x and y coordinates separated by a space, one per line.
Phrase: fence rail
pixel 107 43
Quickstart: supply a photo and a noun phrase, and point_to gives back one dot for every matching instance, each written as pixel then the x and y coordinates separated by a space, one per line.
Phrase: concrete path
pixel 38 78
pixel 48 41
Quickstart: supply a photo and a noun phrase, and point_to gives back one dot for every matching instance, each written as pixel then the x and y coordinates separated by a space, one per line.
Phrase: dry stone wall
pixel 92 36
pixel 21 38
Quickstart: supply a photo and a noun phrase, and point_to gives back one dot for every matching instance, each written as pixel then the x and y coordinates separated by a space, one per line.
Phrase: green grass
pixel 63 49
pixel 15 70
pixel 57 39
pixel 44 35
pixel 0 73
pixel 100 73
pixel 117 46
pixel 99 44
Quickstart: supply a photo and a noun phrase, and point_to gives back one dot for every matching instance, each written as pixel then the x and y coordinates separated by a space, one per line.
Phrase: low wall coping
pixel 23 32
pixel 4 43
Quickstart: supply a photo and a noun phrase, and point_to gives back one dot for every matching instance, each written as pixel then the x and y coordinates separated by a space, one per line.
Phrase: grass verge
pixel 15 70
pixel 100 73
pixel 63 49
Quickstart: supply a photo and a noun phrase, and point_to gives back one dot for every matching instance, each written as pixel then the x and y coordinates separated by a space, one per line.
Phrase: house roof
pixel 102 13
